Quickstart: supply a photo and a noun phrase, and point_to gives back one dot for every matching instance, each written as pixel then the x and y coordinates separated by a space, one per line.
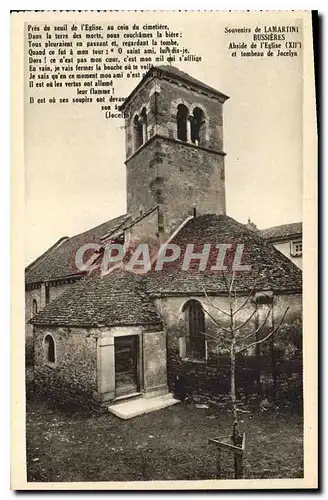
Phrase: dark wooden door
pixel 126 365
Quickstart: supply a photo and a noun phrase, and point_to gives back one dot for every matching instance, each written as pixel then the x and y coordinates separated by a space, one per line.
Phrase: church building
pixel 104 338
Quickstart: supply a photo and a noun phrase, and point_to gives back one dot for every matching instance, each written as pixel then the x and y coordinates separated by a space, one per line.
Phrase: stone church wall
pixel 155 363
pixel 171 95
pixel 178 177
pixel 141 172
pixel 143 231
pixel 73 376
pixel 212 376
pixel 30 295
pixel 192 178
pixel 55 291
pixel 83 373
pixel 37 294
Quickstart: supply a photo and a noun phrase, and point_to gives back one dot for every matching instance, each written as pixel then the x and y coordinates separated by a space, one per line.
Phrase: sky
pixel 74 156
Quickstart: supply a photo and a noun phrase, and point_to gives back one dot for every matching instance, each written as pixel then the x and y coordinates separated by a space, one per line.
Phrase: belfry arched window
pixel 182 122
pixel 198 127
pixel 140 129
pixel 195 330
pixel 143 121
pixel 49 349
pixel 137 132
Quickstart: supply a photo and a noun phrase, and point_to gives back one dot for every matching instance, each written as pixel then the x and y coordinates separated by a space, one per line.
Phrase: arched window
pixel 49 349
pixel 198 127
pixel 195 330
pixel 34 308
pixel 34 311
pixel 143 120
pixel 137 132
pixel 182 119
pixel 140 134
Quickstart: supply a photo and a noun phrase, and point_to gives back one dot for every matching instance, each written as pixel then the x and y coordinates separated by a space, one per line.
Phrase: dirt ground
pixel 170 444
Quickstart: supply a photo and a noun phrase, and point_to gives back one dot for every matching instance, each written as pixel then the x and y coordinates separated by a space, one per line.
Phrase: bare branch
pixel 245 322
pixel 216 323
pixel 226 283
pixel 249 295
pixel 265 338
pixel 231 282
pixel 261 325
pixel 255 343
pixel 211 337
pixel 212 305
pixel 250 335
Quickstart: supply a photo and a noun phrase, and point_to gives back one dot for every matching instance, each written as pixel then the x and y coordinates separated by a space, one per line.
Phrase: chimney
pixel 251 225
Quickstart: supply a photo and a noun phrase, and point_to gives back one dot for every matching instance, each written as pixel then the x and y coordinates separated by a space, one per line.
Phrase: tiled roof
pixel 277 272
pixel 283 232
pixel 178 74
pixel 59 262
pixel 117 299
pixel 185 76
pixel 122 298
pixel 47 252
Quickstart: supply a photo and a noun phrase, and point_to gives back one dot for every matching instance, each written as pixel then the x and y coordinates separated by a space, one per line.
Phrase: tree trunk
pixel 238 458
pixel 258 368
pixel 233 389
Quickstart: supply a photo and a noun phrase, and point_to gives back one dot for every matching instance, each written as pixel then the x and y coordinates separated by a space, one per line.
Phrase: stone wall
pixel 30 295
pixel 73 376
pixel 38 294
pixel 143 231
pixel 140 174
pixel 161 98
pixel 152 360
pixel 155 362
pixel 56 290
pixel 176 175
pixel 146 97
pixel 84 369
pixel 171 95
pixel 192 178
pixel 254 367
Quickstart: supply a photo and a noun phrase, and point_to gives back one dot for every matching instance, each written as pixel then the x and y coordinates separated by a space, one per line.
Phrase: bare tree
pixel 237 342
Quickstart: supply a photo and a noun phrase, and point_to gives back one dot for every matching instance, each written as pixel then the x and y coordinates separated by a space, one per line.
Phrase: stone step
pixel 140 406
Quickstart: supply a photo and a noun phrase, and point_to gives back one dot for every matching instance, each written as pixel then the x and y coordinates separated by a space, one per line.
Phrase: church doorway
pixel 126 365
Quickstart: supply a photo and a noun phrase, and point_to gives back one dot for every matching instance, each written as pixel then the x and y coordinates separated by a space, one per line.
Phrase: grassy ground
pixel 170 444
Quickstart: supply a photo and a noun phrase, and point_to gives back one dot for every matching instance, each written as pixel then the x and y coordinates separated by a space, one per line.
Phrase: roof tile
pixel 284 231
pixel 273 270
pixel 119 298
pixel 60 262
pixel 122 298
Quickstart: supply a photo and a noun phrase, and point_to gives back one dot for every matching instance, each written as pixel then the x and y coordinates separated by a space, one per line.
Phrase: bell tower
pixel 174 147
